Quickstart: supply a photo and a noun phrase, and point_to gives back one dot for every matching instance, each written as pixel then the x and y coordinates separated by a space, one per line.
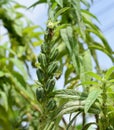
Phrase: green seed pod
pixel 44 48
pixel 42 60
pixel 40 75
pixel 53 54
pixel 51 104
pixel 52 67
pixel 50 85
pixel 40 94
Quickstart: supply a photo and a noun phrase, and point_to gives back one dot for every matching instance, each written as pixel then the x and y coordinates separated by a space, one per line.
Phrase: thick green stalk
pixel 48 66
pixel 103 122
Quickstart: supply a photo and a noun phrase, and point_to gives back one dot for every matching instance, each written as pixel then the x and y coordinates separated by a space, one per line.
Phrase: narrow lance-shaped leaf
pixel 65 39
pixel 61 11
pixel 77 8
pixel 36 3
pixel 100 35
pixel 5 101
pixel 99 47
pixel 86 66
pixel 72 45
pixel 108 73
pixel 94 75
pixel 86 13
pixel 93 95
pixel 70 94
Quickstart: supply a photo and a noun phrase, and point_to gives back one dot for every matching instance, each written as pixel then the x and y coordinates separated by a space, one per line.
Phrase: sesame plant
pixel 68 49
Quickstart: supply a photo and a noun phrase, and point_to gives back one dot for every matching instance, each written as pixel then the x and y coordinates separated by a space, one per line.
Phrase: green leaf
pixel 93 95
pixel 68 71
pixel 100 47
pixel 5 47
pixel 4 100
pixel 89 83
pixel 72 45
pixel 36 3
pixel 4 122
pixel 65 39
pixel 70 94
pixel 94 75
pixel 37 43
pixel 20 78
pixel 70 107
pixel 111 81
pixel 30 29
pixel 2 73
pixel 60 2
pixel 108 73
pixel 87 14
pixel 49 126
pixel 86 66
pixel 77 8
pixel 61 11
pixel 4 2
pixel 20 65
pixel 17 26
pixel 100 35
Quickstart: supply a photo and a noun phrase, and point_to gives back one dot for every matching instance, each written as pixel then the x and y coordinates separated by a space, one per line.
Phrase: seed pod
pixel 53 54
pixel 42 60
pixel 50 85
pixel 40 75
pixel 51 104
pixel 52 67
pixel 40 94
pixel 44 48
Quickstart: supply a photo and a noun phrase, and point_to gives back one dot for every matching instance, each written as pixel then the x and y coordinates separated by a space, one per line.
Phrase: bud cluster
pixel 45 74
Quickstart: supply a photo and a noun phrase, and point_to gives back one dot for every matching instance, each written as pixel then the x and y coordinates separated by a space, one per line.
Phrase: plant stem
pixel 83 119
pixel 104 119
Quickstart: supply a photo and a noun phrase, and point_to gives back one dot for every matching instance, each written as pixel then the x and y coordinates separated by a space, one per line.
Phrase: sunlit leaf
pixel 108 73
pixel 37 43
pixel 93 95
pixel 4 100
pixel 86 66
pixel 86 13
pixel 94 75
pixel 2 73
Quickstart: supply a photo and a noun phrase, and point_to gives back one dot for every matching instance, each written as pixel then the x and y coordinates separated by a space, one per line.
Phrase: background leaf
pixel 93 95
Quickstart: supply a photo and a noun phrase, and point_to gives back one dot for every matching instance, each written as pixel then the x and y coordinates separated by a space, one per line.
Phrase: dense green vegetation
pixel 68 48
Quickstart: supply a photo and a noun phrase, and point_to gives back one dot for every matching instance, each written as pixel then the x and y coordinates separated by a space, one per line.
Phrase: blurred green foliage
pixel 71 30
